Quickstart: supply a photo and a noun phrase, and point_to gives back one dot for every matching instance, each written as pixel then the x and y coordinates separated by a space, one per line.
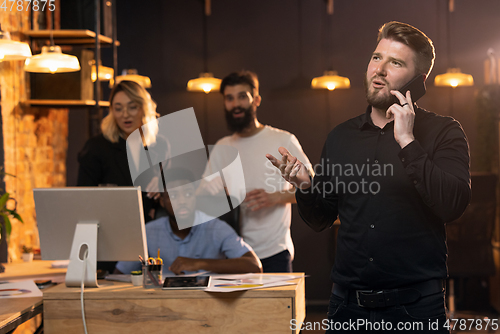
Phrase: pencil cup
pixel 152 276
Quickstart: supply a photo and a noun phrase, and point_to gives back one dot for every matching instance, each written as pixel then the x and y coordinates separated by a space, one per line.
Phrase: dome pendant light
pixel 12 50
pixel 52 60
pixel 330 80
pixel 206 81
pixel 453 76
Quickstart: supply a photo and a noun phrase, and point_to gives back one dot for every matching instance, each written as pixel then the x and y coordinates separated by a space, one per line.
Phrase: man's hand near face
pixel 404 117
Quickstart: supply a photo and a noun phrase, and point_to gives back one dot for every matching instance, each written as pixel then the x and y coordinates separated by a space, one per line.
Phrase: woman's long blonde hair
pixel 139 95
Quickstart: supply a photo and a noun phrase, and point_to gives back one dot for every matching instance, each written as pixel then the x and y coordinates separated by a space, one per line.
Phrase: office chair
pixel 469 238
pixel 207 204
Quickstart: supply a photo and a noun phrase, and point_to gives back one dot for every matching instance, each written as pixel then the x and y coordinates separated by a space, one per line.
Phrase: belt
pixel 389 297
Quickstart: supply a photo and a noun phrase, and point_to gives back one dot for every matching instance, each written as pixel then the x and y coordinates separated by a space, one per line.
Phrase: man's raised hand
pixel 292 170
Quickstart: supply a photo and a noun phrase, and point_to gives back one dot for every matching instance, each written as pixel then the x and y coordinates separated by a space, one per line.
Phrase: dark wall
pixel 288 42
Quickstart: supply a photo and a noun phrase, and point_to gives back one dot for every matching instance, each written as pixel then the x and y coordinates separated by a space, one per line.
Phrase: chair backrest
pixel 207 204
pixel 470 252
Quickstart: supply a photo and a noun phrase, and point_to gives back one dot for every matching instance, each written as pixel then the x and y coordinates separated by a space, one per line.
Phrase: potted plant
pixel 6 214
pixel 27 254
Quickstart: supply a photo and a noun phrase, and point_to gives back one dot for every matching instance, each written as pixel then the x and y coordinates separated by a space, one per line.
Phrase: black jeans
pixel 278 263
pixel 426 315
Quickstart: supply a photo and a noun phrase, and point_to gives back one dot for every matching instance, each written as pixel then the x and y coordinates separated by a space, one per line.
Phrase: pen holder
pixel 152 276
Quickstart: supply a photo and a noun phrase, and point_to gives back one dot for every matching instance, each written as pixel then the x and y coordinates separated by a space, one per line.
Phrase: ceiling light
pixel 12 50
pixel 453 77
pixel 204 83
pixel 132 75
pixel 330 80
pixel 52 60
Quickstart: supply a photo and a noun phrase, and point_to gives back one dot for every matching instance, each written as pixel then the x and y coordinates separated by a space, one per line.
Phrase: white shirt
pixel 267 230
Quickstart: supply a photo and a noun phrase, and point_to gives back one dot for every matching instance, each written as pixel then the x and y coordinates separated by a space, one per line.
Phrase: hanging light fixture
pixel 206 81
pixel 453 76
pixel 131 74
pixel 330 79
pixel 12 50
pixel 52 60
pixel 105 73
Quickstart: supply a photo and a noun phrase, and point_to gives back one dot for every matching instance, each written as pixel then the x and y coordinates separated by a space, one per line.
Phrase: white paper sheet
pixel 19 289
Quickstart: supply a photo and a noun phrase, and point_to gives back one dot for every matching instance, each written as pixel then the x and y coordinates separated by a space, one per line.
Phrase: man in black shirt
pixel 394 176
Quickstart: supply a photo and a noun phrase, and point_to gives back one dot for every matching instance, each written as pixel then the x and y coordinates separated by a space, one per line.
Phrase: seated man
pixel 213 246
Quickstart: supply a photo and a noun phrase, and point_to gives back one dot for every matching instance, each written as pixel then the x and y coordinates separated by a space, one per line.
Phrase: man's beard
pixel 239 124
pixel 375 98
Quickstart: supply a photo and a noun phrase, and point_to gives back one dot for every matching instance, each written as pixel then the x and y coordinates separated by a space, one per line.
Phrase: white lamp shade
pixel 131 75
pixel 454 78
pixel 204 83
pixel 105 73
pixel 330 80
pixel 12 50
pixel 52 60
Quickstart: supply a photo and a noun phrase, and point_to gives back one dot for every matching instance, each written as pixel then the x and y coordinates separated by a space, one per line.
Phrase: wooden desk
pixel 15 311
pixel 122 308
pixel 32 270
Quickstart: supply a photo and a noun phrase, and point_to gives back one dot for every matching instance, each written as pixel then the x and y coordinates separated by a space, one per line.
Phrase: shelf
pixel 65 103
pixel 67 36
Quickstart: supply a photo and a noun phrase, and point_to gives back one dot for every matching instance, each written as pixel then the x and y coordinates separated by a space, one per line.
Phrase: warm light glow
pixel 105 73
pixel 204 83
pixel 454 78
pixel 52 60
pixel 330 80
pixel 12 50
pixel 131 74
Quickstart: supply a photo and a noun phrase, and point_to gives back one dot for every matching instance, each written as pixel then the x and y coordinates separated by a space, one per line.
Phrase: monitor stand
pixel 83 257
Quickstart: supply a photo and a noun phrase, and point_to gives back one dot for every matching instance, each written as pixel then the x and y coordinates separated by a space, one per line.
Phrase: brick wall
pixel 35 142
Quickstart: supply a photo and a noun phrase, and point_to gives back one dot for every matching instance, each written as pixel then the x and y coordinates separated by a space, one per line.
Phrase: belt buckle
pixel 372 292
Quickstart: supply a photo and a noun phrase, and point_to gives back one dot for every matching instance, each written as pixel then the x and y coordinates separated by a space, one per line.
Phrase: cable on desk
pixel 85 256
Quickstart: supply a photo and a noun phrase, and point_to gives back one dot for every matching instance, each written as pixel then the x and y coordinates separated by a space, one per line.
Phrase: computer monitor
pixel 108 221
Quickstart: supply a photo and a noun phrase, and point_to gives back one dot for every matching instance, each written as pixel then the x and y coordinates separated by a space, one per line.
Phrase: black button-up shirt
pixel 392 203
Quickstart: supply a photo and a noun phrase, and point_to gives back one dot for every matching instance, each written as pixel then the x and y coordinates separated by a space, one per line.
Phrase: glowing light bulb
pixel 453 83
pixel 330 86
pixel 206 88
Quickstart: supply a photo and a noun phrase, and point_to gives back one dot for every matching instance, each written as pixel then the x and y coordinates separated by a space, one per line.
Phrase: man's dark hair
pixel 242 77
pixel 413 38
pixel 176 174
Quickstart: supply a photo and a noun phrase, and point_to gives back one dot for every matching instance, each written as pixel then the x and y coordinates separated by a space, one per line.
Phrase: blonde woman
pixel 103 160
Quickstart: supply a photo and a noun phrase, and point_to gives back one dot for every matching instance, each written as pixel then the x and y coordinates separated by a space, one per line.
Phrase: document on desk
pixel 230 283
pixel 19 289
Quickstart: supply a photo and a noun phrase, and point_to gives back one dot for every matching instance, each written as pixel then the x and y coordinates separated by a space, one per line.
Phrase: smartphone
pixel 183 282
pixel 416 86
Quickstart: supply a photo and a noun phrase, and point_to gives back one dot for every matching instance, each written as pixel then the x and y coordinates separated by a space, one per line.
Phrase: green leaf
pixel 14 214
pixel 3 200
pixel 8 226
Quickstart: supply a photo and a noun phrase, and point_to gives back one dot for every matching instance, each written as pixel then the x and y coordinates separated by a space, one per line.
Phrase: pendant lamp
pixel 12 50
pixel 131 74
pixel 330 79
pixel 105 73
pixel 206 81
pixel 453 76
pixel 52 60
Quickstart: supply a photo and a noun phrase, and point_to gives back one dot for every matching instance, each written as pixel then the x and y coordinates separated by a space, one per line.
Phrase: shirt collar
pixel 366 119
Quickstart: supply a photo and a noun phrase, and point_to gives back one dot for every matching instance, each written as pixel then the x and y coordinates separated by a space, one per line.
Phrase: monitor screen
pixel 116 211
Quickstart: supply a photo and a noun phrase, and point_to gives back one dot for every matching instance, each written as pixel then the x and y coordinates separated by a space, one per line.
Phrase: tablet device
pixel 183 282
